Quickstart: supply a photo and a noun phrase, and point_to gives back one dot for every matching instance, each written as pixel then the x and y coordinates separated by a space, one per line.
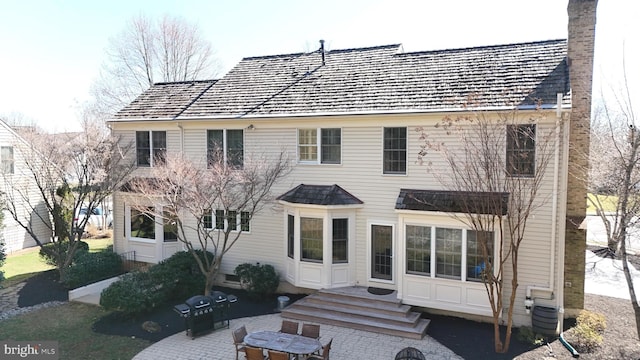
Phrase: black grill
pixel 203 313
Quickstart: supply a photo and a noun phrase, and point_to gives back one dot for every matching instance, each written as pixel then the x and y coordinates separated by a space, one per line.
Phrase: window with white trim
pixel 394 156
pixel 170 226
pixel 151 148
pixel 6 154
pixel 143 226
pixel 228 144
pixel 448 253
pixel 291 235
pixel 418 250
pixel 311 239
pixel 479 247
pixel 340 240
pixel 232 220
pixel 453 250
pixel 521 150
pixel 322 146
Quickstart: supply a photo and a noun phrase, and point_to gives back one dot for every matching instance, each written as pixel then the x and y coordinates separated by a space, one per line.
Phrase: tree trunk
pixel 512 300
pixel 497 339
pixel 632 290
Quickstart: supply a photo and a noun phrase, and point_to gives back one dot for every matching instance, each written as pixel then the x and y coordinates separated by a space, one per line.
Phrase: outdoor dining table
pixel 289 343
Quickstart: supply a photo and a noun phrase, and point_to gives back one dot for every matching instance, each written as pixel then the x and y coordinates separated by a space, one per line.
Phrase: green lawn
pixel 27 263
pixel 71 325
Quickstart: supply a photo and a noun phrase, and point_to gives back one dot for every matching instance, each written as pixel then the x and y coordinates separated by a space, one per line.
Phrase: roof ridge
pixel 483 47
pixel 185 82
pixel 368 48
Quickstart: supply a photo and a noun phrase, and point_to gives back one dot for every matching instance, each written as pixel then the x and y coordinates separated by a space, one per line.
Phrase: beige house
pixel 18 188
pixel 346 214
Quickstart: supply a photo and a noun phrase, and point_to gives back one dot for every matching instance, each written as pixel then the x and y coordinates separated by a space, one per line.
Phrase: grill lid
pixel 198 302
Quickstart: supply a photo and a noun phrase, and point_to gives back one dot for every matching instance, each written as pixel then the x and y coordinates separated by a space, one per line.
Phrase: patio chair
pixel 238 339
pixel 277 355
pixel 325 352
pixel 311 331
pixel 254 353
pixel 289 327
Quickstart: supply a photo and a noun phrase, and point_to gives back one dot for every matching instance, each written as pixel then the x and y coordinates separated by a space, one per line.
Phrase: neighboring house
pixel 349 119
pixel 14 176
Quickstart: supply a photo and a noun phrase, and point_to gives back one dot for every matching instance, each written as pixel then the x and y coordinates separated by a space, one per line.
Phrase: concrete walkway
pixel 348 344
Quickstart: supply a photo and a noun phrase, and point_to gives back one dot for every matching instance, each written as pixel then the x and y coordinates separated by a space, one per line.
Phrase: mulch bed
pixel 41 288
pixel 170 322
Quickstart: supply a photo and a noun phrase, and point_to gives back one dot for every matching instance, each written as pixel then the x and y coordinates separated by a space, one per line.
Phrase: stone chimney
pixel 581 41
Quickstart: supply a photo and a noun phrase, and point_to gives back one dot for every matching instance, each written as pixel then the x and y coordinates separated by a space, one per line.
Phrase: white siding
pixel 33 211
pixel 360 173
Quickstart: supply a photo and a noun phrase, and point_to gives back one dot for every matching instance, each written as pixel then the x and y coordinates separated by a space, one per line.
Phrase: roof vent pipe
pixel 322 50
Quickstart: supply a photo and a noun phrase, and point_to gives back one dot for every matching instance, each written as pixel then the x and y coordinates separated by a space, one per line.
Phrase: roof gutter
pixel 562 108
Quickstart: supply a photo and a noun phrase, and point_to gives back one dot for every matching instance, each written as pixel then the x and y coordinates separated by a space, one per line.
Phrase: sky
pixel 52 50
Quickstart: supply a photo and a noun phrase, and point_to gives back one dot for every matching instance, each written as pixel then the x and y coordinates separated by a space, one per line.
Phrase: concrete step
pixel 354 308
pixel 358 309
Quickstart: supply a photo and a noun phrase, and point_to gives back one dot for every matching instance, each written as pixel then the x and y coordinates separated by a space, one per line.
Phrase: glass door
pixel 382 252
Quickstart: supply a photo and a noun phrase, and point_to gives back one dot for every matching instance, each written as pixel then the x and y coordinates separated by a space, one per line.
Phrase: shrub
pixel 260 281
pixel 588 331
pixel 175 278
pixel 135 293
pixel 526 334
pixel 179 275
pixel 90 267
pixel 49 252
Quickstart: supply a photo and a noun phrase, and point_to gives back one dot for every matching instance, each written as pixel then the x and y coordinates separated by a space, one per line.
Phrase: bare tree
pixel 208 207
pixel 148 51
pixel 495 194
pixel 614 178
pixel 56 175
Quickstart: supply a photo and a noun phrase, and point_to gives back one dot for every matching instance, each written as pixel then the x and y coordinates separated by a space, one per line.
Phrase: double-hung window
pixel 143 225
pixel 229 220
pixel 418 249
pixel 6 154
pixel 291 235
pixel 322 146
pixel 521 150
pixel 225 146
pixel 151 148
pixel 311 239
pixel 170 225
pixel 340 240
pixel 394 156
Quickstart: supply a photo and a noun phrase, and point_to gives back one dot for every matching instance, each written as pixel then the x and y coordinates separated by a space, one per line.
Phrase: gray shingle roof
pixel 453 201
pixel 326 195
pixel 165 100
pixel 380 79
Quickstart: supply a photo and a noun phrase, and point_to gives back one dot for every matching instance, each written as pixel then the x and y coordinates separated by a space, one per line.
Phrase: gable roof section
pixel 326 195
pixel 453 201
pixel 165 100
pixel 373 80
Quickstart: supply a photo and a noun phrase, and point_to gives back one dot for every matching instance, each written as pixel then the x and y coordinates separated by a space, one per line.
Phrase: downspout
pixel 563 215
pixel 181 138
pixel 529 300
